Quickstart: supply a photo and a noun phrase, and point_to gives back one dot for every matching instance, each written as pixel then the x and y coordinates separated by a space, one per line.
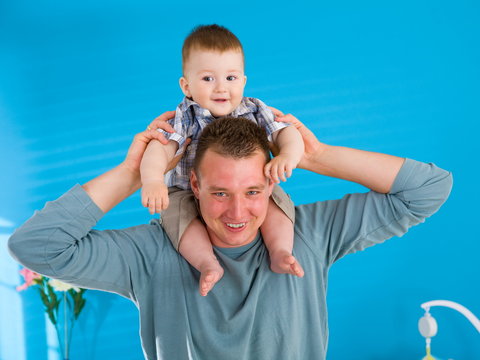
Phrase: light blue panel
pixel 79 79
pixel 12 341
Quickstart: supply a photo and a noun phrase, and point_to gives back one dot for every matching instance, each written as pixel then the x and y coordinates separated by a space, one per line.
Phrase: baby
pixel 213 82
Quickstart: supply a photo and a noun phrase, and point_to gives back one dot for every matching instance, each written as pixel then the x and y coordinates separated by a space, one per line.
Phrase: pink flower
pixel 29 277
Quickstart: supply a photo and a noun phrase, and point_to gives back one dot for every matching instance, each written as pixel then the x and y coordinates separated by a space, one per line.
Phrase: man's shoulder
pixel 154 226
pixel 310 214
pixel 149 238
pixel 150 232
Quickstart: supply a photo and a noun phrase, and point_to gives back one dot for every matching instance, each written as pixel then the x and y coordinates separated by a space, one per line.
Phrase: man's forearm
pixel 376 171
pixel 373 170
pixel 110 188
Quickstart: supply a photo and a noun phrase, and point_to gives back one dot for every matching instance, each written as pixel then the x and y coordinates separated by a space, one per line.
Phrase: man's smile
pixel 235 226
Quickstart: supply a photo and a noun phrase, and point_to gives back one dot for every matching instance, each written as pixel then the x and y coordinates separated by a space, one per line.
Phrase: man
pixel 252 313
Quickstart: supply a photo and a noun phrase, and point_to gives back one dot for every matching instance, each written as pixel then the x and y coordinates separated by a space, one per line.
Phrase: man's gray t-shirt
pixel 251 313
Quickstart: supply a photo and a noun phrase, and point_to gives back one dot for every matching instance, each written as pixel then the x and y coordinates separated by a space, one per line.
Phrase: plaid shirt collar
pixel 246 107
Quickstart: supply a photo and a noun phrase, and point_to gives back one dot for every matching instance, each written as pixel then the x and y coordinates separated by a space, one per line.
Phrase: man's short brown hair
pixel 236 138
pixel 210 37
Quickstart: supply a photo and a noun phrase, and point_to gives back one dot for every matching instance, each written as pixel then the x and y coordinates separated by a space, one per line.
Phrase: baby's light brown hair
pixel 210 37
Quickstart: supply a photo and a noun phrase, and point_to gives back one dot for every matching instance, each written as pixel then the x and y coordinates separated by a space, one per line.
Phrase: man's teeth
pixel 236 226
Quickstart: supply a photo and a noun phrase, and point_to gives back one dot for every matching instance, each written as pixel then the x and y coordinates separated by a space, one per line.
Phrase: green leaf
pixel 44 297
pixel 79 306
pixel 51 316
pixel 51 300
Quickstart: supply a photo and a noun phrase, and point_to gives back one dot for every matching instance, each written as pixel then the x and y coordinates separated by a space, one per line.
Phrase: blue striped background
pixel 79 79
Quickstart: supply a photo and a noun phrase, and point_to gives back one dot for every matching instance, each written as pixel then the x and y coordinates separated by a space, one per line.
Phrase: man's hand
pixel 155 196
pixel 140 141
pixel 160 122
pixel 313 147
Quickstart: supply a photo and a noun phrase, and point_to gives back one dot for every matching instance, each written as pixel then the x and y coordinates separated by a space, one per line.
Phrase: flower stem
pixel 65 322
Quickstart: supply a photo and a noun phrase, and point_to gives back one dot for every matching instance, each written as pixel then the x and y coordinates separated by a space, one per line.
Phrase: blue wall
pixel 79 79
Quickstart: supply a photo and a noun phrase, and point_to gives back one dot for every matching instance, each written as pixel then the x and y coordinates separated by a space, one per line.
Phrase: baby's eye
pixel 207 78
pixel 231 77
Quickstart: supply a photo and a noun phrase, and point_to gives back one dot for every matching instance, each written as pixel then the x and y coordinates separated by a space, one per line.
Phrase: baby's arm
pixel 290 145
pixel 153 166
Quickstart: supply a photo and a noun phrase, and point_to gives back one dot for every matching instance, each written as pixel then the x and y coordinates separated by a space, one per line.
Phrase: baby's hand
pixel 280 168
pixel 155 196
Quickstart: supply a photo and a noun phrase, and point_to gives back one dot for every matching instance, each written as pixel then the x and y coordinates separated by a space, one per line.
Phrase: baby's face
pixel 215 80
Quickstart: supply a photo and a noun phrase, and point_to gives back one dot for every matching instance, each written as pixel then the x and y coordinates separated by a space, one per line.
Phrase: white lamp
pixel 427 324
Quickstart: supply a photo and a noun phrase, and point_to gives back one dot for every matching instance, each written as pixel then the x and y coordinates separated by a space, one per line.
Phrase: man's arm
pixel 375 171
pixel 110 188
pixel 58 241
pixel 406 192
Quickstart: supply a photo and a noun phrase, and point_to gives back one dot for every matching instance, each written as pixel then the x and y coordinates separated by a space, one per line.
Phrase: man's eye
pixel 207 78
pixel 252 192
pixel 231 77
pixel 220 194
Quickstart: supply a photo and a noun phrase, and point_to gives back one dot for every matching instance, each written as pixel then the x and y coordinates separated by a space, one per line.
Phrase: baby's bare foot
pixel 283 262
pixel 210 274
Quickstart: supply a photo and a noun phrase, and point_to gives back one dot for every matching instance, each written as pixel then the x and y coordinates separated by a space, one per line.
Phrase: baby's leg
pixel 196 248
pixel 277 232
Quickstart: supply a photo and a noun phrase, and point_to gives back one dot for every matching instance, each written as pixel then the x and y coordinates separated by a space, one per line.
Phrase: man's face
pixel 233 195
pixel 215 80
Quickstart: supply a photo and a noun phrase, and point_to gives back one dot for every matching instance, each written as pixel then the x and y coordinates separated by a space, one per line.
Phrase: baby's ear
pixel 184 86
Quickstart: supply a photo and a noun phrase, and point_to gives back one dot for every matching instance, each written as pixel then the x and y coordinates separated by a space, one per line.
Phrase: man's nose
pixel 237 208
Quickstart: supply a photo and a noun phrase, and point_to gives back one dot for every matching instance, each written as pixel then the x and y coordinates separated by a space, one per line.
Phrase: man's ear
pixel 184 86
pixel 245 80
pixel 271 184
pixel 194 183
